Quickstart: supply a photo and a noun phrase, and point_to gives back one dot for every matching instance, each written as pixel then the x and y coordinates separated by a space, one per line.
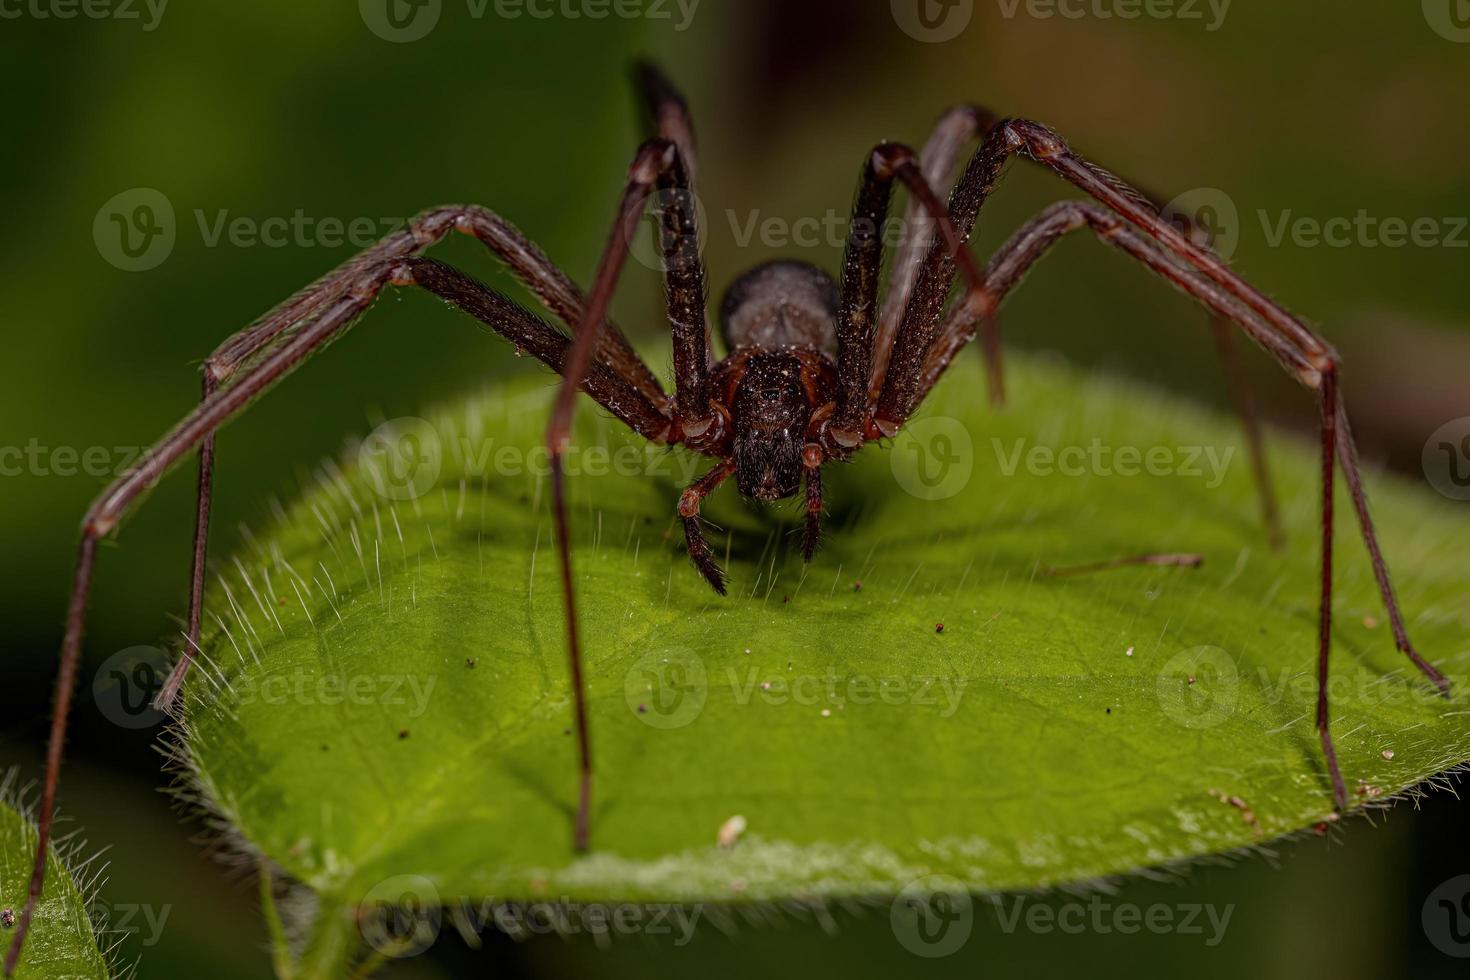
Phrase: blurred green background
pixel 1311 110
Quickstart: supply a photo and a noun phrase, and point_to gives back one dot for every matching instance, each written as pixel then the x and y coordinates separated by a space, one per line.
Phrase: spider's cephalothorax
pixel 813 372
pixel 779 382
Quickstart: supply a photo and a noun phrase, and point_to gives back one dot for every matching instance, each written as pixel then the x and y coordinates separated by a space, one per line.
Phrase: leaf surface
pixel 62 943
pixel 387 693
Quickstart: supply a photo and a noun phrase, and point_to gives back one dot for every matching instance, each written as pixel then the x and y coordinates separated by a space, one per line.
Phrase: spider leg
pixel 668 111
pixel 532 335
pixel 857 313
pixel 689 501
pixel 1329 407
pixel 276 345
pixel 657 163
pixel 1250 425
pixel 812 535
pixel 1316 368
pixel 1026 247
pixel 522 257
pixel 1288 338
pixel 203 498
pixel 684 279
pixel 1347 455
pixel 969 195
pixel 955 128
pixel 103 517
pixel 684 290
pixel 508 244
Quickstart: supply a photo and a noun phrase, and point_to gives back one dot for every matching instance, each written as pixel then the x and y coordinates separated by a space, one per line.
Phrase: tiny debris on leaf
pixel 1387 753
pixel 730 831
pixel 939 627
pixel 1129 652
pixel 857 586
pixel 7 918
pixel 469 662
pixel 403 734
pixel 1246 813
pixel 826 712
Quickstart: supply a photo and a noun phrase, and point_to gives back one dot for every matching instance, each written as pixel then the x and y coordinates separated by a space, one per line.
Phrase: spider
pixel 815 370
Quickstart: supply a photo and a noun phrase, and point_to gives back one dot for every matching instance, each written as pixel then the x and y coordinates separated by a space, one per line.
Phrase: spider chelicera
pixel 815 370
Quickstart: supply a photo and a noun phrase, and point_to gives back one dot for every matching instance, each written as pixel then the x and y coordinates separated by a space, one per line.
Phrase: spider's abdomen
pixel 781 304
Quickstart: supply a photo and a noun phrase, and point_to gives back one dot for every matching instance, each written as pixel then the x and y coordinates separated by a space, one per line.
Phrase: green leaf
pixel 1058 728
pixel 62 943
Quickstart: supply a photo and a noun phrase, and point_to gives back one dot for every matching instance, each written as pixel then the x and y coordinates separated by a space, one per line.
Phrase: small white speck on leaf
pixel 730 831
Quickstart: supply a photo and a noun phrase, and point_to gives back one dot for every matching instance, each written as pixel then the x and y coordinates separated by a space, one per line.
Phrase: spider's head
pixel 770 413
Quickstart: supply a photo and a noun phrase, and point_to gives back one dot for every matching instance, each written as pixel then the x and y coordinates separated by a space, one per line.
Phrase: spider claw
pixel 712 572
pixel 1428 669
pixel 716 577
pixel 699 553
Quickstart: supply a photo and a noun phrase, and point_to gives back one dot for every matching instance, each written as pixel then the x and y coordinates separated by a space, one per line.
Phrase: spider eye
pixel 770 394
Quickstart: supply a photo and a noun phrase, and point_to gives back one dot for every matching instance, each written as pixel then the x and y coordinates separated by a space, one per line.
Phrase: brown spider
pixel 814 371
